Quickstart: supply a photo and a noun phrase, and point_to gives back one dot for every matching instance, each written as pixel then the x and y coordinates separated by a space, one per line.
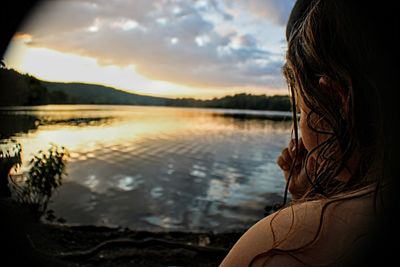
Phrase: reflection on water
pixel 156 167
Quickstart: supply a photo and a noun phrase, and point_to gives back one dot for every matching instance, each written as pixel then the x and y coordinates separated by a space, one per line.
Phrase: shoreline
pixel 28 240
pixel 103 246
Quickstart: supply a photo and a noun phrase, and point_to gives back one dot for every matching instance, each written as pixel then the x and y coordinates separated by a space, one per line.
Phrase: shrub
pixel 45 175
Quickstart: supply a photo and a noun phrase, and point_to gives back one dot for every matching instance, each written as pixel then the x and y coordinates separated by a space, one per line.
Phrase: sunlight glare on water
pixel 158 168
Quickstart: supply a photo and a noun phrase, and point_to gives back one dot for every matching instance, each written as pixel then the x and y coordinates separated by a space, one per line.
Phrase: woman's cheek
pixel 308 135
pixel 311 138
pixel 304 131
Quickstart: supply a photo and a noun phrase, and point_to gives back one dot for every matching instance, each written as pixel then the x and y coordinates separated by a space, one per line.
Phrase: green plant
pixel 45 175
pixel 10 156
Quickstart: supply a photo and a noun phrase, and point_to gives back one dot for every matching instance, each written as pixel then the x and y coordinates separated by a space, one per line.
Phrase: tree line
pixel 18 89
pixel 237 101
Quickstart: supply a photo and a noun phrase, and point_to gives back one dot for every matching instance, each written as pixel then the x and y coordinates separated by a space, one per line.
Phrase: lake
pixel 157 168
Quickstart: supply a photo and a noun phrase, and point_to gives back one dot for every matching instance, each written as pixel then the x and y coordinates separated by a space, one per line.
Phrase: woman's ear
pixel 337 90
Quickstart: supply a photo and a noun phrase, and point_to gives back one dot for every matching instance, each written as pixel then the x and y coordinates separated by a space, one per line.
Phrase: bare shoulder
pixel 316 224
pixel 271 230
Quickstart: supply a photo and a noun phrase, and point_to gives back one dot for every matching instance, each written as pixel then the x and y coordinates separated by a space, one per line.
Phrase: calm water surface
pixel 157 168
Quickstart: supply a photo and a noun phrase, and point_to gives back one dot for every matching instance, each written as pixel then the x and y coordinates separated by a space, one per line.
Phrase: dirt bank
pixel 29 242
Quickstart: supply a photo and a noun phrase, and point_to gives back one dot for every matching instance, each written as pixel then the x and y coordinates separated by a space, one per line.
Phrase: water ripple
pixel 163 167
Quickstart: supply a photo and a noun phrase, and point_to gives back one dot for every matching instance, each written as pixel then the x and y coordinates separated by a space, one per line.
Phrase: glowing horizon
pixel 213 62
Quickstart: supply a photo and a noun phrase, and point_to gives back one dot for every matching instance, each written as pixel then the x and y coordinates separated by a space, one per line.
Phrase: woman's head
pixel 332 71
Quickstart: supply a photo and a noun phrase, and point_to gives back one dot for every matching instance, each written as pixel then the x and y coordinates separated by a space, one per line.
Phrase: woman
pixel 339 173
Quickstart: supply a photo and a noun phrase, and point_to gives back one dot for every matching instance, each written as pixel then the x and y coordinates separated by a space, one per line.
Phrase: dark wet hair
pixel 351 44
pixel 340 41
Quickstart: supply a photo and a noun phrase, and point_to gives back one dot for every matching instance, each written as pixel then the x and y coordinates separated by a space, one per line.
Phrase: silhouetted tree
pixel 37 93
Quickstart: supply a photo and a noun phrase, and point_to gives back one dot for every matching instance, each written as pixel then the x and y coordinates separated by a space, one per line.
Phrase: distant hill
pixel 98 94
pixel 18 89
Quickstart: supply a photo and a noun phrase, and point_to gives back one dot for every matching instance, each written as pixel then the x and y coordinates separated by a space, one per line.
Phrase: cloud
pixel 169 40
pixel 276 11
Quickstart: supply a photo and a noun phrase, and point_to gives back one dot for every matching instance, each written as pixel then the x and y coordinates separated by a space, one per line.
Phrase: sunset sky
pixel 172 48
